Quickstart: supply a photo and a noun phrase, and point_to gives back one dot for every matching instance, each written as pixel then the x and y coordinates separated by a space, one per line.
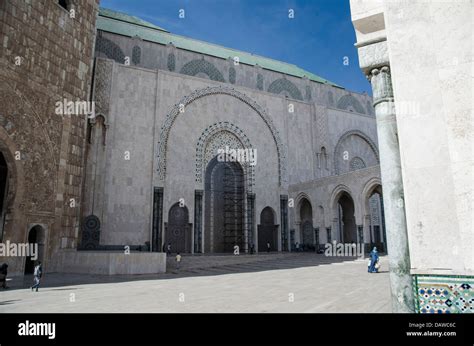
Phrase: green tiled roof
pixel 105 12
pixel 123 24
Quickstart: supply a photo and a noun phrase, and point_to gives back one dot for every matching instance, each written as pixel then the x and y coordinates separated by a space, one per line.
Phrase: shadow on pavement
pixel 267 263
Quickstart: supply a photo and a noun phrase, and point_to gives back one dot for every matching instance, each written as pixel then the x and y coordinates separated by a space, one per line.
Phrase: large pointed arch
pixel 347 134
pixel 173 114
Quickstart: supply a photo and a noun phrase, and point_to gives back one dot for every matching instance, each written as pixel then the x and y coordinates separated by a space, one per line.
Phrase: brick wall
pixel 45 57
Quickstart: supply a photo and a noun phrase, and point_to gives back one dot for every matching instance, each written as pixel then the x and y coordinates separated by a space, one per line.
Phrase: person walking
pixel 178 260
pixel 374 261
pixel 268 246
pixel 3 275
pixel 168 249
pixel 37 274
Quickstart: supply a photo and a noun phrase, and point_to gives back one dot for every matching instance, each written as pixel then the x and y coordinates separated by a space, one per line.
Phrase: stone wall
pixel 167 147
pixel 45 57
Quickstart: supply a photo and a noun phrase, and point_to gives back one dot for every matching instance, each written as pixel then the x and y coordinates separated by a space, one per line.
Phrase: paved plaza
pixel 304 282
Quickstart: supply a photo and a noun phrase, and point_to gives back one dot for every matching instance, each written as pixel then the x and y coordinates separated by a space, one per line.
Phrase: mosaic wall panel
pixel 284 85
pixel 444 294
pixel 194 67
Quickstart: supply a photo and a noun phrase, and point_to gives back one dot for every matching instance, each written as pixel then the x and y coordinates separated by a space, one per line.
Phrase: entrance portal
pixel 267 231
pixel 347 225
pixel 36 235
pixel 224 207
pixel 178 229
pixel 307 232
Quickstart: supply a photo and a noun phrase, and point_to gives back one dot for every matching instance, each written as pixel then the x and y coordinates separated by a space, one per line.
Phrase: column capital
pixel 381 81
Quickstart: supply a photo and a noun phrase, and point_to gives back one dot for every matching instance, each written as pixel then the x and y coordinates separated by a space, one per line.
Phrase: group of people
pixel 37 274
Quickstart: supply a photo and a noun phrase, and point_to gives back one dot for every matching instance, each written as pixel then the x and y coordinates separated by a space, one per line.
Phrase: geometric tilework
pixel 284 85
pixel 110 49
pixel 444 294
pixel 194 67
pixel 349 102
pixel 171 62
pixel 136 55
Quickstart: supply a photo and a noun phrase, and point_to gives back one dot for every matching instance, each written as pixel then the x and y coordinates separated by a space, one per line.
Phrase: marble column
pixel 390 166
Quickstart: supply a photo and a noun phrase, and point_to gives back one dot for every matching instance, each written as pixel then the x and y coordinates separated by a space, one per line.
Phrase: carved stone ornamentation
pixel 218 136
pixel 171 117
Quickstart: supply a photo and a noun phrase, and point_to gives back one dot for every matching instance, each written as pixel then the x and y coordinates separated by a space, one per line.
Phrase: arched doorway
pixel 307 232
pixel 224 206
pixel 178 229
pixel 36 236
pixel 346 219
pixel 377 219
pixel 3 192
pixel 267 230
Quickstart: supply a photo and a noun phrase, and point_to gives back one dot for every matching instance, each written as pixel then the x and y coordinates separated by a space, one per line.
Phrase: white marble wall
pixel 431 56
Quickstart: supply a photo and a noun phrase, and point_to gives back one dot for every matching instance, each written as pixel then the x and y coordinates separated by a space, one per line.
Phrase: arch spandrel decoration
pixel 219 90
pixel 346 135
pixel 218 136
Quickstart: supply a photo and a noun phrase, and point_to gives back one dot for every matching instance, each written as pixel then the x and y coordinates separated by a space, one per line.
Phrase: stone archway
pixel 224 197
pixel 346 218
pixel 307 231
pixel 36 235
pixel 374 214
pixel 267 230
pixel 178 229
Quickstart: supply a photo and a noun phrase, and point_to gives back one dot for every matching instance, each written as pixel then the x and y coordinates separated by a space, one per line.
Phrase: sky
pixel 320 38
